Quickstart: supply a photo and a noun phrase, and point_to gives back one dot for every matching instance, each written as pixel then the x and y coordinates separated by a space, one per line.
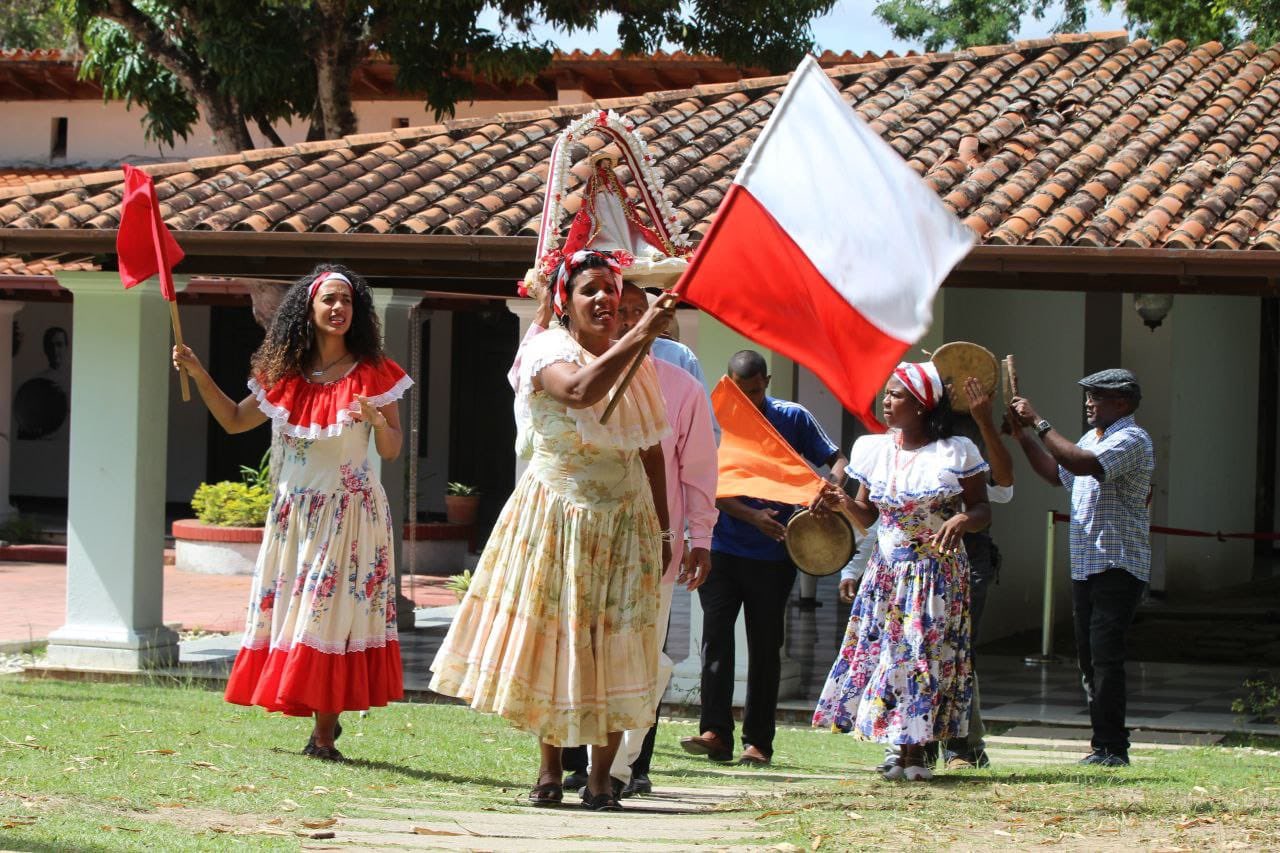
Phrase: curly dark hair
pixel 291 340
pixel 940 421
pixel 593 261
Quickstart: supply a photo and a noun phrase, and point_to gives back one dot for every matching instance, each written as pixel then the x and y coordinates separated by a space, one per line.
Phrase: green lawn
pixel 125 767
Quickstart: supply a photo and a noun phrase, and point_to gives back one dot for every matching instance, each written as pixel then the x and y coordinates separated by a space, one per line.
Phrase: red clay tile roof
pixel 54 74
pixel 22 177
pixel 1085 140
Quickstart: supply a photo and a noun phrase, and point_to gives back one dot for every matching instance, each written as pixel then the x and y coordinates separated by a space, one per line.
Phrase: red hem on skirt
pixel 303 681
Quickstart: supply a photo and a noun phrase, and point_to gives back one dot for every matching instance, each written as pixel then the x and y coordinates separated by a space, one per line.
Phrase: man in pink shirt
pixel 690 453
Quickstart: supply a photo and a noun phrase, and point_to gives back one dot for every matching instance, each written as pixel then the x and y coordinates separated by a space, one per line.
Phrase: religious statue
pixel 644 234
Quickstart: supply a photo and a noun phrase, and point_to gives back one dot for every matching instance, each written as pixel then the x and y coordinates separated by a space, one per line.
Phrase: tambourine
pixel 819 545
pixel 958 361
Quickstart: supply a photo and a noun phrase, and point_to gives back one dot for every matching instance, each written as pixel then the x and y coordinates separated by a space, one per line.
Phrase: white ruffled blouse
pixel 894 476
pixel 639 421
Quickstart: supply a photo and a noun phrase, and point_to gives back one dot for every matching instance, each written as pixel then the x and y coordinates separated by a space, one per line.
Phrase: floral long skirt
pixel 555 633
pixel 904 674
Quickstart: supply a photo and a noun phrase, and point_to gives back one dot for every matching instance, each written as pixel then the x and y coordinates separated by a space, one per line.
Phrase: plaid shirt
pixel 1111 517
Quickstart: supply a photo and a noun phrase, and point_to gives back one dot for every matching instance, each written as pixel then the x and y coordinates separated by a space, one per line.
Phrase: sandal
pixel 310 748
pixel 325 753
pixel 547 794
pixel 600 802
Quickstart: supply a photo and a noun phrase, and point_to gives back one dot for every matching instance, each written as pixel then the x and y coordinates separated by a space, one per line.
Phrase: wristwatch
pixel 1042 426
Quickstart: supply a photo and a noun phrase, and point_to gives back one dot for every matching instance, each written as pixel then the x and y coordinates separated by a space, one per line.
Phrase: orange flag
pixel 754 460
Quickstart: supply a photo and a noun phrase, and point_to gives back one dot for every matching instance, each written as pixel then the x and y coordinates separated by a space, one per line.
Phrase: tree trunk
pixel 265 128
pixel 315 130
pixel 230 133
pixel 337 45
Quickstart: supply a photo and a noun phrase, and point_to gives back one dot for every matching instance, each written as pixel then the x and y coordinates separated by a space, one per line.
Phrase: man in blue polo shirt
pixel 1108 472
pixel 751 572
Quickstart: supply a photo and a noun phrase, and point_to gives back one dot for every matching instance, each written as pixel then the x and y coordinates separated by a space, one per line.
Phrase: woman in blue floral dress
pixel 904 672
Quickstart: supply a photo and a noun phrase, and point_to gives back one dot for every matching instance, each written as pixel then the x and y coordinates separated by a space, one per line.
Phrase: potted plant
pixel 459 584
pixel 461 503
pixel 226 533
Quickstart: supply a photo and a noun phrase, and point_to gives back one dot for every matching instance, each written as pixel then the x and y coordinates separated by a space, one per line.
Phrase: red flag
pixel 144 245
pixel 828 248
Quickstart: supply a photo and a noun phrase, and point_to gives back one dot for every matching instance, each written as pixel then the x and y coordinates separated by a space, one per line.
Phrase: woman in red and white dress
pixel 320 636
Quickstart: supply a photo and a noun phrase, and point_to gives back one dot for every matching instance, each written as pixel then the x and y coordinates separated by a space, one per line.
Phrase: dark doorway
pixel 482 434
pixel 233 338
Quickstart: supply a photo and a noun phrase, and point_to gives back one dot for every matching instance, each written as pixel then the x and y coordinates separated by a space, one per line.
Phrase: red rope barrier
pixel 1204 534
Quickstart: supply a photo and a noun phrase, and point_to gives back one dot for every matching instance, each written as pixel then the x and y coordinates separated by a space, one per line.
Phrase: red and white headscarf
pixel 922 380
pixel 568 266
pixel 328 276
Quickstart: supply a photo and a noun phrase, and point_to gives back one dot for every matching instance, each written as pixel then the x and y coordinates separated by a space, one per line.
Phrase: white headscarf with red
pixel 922 380
pixel 568 266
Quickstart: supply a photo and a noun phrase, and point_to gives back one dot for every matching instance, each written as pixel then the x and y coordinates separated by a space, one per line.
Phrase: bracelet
pixel 666 536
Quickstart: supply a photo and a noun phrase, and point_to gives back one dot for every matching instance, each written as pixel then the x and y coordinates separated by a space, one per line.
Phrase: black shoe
pixel 616 793
pixel 600 802
pixel 639 784
pixel 1106 758
pixel 576 781
pixel 808 603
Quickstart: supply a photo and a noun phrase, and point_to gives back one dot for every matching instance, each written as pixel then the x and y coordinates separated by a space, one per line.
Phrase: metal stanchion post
pixel 1046 629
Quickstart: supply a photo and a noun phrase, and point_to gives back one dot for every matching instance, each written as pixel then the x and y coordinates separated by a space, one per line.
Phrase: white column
pixel 7 311
pixel 395 307
pixel 115 509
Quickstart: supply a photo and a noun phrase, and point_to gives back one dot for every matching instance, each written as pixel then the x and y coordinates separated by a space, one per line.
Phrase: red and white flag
pixel 828 247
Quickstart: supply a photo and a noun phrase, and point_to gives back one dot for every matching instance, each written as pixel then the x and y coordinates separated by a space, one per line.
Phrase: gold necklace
pixel 323 370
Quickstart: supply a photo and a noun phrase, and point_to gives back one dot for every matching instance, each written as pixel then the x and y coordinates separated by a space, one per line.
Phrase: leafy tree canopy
pixel 32 24
pixel 257 62
pixel 965 23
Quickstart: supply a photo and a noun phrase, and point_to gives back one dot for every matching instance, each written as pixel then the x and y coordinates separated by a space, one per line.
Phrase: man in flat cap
pixel 1108 472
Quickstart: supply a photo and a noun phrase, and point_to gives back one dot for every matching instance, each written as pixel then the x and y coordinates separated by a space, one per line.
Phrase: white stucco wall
pixel 1045 333
pixel 1205 403
pixel 105 133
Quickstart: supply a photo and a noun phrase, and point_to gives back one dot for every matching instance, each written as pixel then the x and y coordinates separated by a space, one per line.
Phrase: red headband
pixel 328 276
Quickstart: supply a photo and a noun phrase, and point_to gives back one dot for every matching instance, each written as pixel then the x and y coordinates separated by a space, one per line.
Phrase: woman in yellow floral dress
pixel 555 632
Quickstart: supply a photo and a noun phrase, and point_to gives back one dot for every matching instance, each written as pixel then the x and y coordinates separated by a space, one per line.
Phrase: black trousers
pixel 1102 608
pixel 984 572
pixel 760 589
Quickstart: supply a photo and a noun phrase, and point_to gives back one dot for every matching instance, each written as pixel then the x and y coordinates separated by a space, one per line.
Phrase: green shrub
pixel 229 504
pixel 1263 699
pixel 461 490
pixel 21 530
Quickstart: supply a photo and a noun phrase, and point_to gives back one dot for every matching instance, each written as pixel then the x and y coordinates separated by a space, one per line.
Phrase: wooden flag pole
pixel 165 273
pixel 665 300
pixel 176 322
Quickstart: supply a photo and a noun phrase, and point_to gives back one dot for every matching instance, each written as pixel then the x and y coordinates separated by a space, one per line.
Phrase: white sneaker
pixel 893 773
pixel 917 774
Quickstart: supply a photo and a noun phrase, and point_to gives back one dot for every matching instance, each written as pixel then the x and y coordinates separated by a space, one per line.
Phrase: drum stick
pixel 1013 374
pixel 665 300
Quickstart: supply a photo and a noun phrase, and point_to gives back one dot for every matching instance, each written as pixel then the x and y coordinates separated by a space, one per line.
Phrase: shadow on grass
pixel 1097 777
pixel 18 843
pixel 426 775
